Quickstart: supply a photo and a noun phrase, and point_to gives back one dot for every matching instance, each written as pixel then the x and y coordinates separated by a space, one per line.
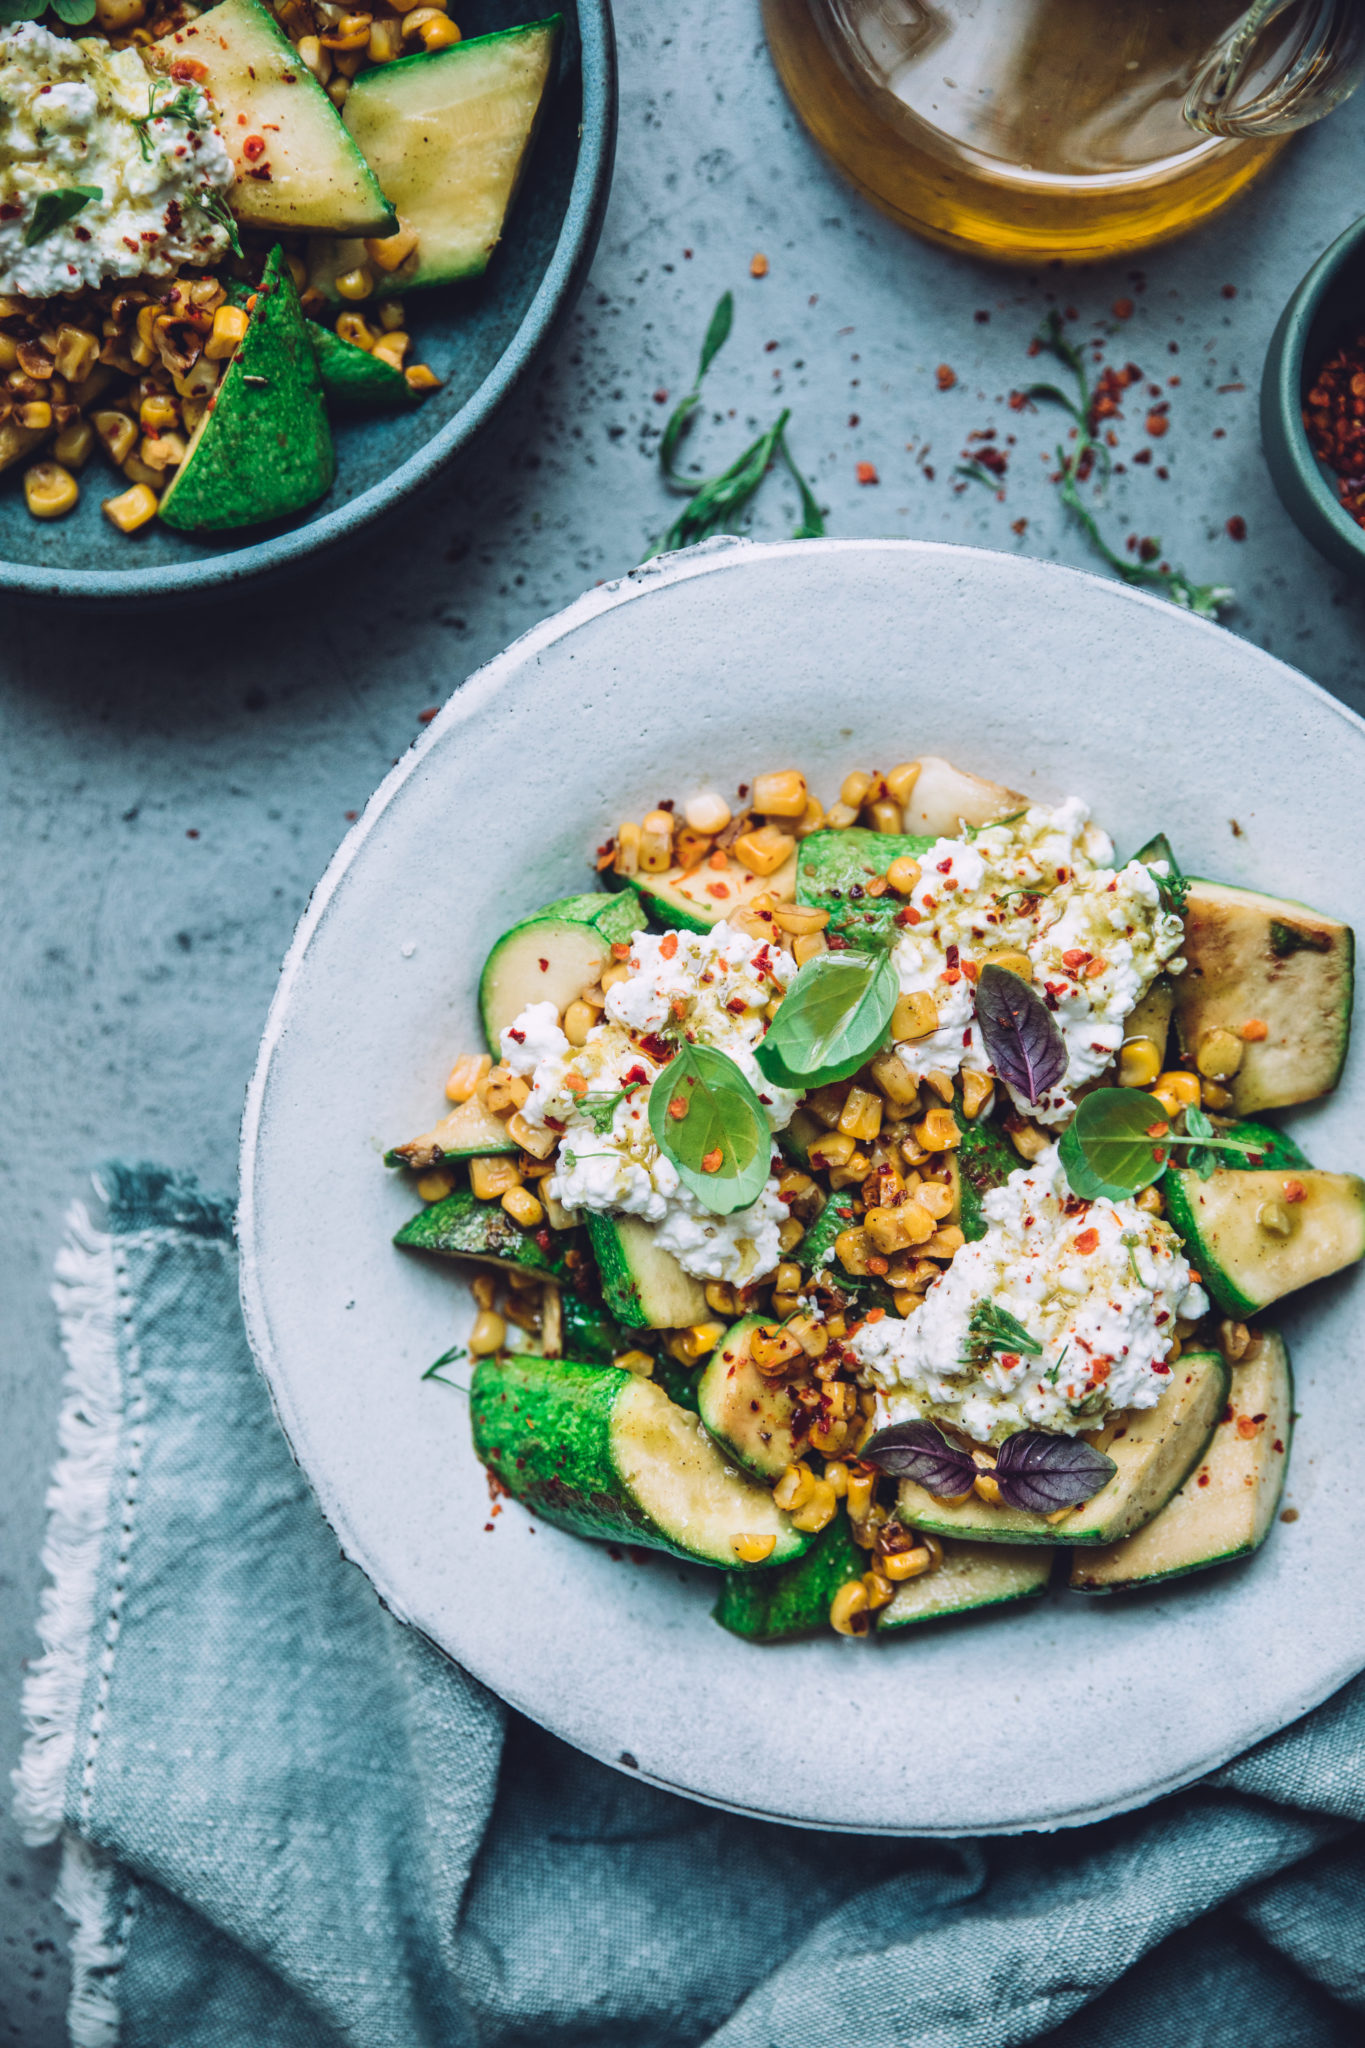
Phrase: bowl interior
pixel 696 673
pixel 464 332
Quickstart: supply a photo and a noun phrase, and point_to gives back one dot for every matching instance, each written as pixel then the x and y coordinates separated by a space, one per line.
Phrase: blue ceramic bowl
pixel 480 338
pixel 1327 309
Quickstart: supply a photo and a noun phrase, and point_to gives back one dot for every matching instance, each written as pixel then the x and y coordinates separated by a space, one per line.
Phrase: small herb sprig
pixel 1119 1142
pixel 220 213
pixel 715 503
pixel 994 1329
pixel 452 1357
pixel 1205 600
pixel 185 105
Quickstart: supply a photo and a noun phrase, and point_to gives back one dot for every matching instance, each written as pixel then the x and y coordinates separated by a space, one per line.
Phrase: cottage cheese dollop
pixel 1042 884
pixel 712 988
pixel 77 113
pixel 1098 1285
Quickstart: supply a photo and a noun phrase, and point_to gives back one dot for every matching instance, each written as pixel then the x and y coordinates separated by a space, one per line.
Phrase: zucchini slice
pixel 1265 958
pixel 1227 1505
pixel 601 1452
pixel 309 174
pixel 462 1227
pixel 1245 1265
pixel 552 957
pixel 469 1132
pixel 1153 1451
pixel 693 900
pixel 833 870
pixel 749 1416
pixel 794 1600
pixel 644 1288
pixel 1150 1016
pixel 972 1575
pixel 448 135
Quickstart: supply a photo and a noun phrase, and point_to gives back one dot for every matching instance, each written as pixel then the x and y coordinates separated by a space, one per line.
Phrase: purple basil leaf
pixel 1023 1040
pixel 1044 1473
pixel 918 1451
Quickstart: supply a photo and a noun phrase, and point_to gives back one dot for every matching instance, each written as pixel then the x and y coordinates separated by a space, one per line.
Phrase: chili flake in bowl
pixel 1311 428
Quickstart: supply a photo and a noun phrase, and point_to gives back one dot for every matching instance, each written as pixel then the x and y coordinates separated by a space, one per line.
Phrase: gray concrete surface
pixel 174 784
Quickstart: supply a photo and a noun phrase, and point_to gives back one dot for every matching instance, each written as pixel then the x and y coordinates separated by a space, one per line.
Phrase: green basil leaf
pixel 74 12
pixel 54 209
pixel 1109 1147
pixel 23 10
pixel 832 1019
pixel 708 1121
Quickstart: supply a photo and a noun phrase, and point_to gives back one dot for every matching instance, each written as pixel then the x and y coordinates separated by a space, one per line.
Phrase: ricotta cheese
pixel 1097 1285
pixel 712 988
pixel 1042 884
pixel 80 113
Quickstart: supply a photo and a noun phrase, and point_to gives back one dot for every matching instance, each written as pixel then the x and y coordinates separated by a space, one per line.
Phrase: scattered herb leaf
pixel 25 10
pixel 1043 1474
pixel 600 1110
pixel 185 105
pixel 833 1018
pixel 1119 1142
pixel 220 213
pixel 708 1121
pixel 716 503
pixel 73 12
pixel 1022 1038
pixel 1205 600
pixel 920 1452
pixel 433 1371
pixel 53 209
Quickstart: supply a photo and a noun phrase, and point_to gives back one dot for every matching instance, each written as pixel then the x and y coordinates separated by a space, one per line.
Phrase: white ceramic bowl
pixel 704 668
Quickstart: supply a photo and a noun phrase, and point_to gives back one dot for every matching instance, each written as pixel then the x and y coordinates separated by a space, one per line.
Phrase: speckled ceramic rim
pixel 628 1668
pixel 1302 331
pixel 558 288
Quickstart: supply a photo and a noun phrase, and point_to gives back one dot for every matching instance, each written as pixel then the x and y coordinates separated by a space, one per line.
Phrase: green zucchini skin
pixel 644 1288
pixel 589 1332
pixel 536 1421
pixel 462 1227
pixel 794 1599
pixel 972 1576
pixel 1276 1147
pixel 833 870
pixel 985 1160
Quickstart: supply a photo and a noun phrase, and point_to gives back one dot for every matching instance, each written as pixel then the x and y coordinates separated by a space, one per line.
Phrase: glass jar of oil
pixel 1033 129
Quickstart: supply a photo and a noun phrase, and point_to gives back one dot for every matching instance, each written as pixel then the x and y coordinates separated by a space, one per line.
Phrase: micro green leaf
pixel 708 1121
pixel 832 1019
pixel 1023 1041
pixel 220 213
pixel 1120 1141
pixel 52 209
pixel 73 12
pixel 451 1357
pixel 1044 1474
pixel 920 1452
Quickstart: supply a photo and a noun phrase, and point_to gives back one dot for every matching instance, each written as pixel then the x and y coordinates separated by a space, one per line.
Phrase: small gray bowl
pixel 480 338
pixel 1327 309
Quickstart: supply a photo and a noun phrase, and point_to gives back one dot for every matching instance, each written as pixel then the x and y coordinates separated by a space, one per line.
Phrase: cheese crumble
pixel 1042 884
pixel 711 988
pixel 80 113
pixel 1097 1285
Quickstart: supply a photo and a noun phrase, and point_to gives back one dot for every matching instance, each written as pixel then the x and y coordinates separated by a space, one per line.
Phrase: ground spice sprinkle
pixel 1334 419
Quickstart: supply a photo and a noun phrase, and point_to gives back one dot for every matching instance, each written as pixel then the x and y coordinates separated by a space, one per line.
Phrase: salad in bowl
pixel 878 1202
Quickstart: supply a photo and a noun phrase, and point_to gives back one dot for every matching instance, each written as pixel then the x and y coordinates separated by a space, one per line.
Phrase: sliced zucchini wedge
pixel 644 1288
pixel 945 798
pixel 971 1575
pixel 749 1416
pixel 1272 962
pixel 1150 1016
pixel 1153 1451
pixel 604 1453
pixel 469 1132
pixel 1227 1505
pixel 552 957
pixel 1254 1236
pixel 833 870
pixel 695 899
pixel 462 1227
pixel 794 1600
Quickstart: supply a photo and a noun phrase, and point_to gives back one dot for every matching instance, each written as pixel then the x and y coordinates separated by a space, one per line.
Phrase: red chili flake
pixel 1123 309
pixel 668 945
pixel 261 172
pixel 945 377
pixel 1229 291
pixel 678 1108
pixel 188 70
pixel 867 473
pixel 1087 1242
pixel 1295 1191
pixel 736 1005
pixel 951 955
pixel 720 890
pixel 512 1032
pixel 1074 957
pixel 712 1161
pixel 1203 1478
pixel 1237 527
pixel 253 147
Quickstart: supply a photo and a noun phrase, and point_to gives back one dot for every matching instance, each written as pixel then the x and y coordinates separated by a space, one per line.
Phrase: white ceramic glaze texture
pixel 693 673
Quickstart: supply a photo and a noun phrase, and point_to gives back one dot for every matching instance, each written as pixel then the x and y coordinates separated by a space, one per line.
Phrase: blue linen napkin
pixel 290 1822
